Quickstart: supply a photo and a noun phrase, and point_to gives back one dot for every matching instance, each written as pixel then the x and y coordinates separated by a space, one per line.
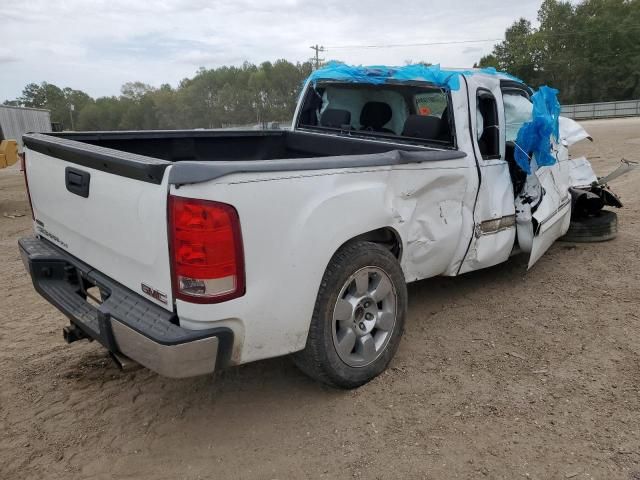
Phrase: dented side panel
pixel 293 222
pixel 428 208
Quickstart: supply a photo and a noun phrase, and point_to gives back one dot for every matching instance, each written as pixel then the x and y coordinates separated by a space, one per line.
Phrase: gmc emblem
pixel 153 293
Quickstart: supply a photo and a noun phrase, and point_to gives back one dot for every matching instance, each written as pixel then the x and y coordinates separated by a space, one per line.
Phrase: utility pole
pixel 316 60
pixel 71 109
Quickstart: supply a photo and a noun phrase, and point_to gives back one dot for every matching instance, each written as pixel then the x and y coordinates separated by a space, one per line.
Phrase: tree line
pixel 590 51
pixel 213 98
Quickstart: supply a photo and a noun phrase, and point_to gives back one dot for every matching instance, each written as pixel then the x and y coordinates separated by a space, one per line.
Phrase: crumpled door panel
pixel 543 209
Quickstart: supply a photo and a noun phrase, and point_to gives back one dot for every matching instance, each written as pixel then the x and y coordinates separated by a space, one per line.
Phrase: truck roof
pixel 379 74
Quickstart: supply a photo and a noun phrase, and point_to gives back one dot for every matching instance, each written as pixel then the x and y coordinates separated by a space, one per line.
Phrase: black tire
pixel 596 228
pixel 320 359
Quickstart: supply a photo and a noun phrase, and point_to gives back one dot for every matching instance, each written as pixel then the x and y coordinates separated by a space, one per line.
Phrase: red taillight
pixel 206 250
pixel 23 168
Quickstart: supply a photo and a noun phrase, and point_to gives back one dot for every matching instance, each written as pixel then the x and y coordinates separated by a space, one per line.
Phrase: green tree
pixel 79 100
pixel 588 50
pixel 487 61
pixel 212 98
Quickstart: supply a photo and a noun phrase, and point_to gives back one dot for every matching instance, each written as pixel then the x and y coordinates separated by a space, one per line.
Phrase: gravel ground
pixel 502 373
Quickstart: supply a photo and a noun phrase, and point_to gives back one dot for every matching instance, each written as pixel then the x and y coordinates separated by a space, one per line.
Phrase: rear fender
pixel 293 223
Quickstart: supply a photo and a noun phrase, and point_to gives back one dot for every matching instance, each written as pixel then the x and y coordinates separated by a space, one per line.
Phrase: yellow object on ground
pixel 8 153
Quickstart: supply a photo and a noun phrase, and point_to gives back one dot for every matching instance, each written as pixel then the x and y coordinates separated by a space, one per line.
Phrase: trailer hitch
pixel 72 333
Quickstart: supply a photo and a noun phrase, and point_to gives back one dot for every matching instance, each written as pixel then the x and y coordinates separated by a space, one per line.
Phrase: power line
pixel 422 44
pixel 458 42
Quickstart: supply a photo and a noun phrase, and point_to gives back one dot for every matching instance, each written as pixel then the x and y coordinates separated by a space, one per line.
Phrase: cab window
pixel 487 126
pixel 403 112
pixel 517 111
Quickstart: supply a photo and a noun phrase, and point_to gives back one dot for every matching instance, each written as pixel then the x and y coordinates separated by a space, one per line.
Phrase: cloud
pixel 98 45
pixel 7 57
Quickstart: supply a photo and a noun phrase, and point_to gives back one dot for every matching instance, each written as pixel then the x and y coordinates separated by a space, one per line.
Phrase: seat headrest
pixel 421 126
pixel 335 118
pixel 375 115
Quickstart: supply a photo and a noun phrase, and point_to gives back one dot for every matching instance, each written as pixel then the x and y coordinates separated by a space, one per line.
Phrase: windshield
pixel 409 112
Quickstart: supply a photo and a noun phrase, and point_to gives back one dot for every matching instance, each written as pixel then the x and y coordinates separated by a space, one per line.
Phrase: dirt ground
pixel 502 373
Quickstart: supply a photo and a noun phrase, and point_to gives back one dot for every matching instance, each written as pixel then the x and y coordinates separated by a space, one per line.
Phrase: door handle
pixel 77 181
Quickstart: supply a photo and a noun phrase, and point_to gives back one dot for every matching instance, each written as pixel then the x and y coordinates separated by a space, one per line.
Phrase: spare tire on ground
pixel 595 228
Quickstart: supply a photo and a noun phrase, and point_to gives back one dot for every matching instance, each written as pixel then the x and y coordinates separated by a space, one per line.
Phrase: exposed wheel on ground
pixel 358 318
pixel 594 228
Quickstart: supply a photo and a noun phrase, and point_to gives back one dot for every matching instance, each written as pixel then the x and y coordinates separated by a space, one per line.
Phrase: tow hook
pixel 71 333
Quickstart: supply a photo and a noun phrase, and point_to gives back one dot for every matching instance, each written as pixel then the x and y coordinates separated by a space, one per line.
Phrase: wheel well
pixel 385 236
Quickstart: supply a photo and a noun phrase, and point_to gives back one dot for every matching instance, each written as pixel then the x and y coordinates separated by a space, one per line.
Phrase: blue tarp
pixel 534 137
pixel 379 74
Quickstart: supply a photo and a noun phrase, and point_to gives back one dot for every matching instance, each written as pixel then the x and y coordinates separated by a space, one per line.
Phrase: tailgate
pixel 105 207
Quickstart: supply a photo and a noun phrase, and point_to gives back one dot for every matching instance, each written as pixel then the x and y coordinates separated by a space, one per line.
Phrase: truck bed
pixel 226 145
pixel 206 154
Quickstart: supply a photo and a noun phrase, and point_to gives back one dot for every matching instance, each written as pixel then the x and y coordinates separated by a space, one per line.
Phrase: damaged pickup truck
pixel 188 251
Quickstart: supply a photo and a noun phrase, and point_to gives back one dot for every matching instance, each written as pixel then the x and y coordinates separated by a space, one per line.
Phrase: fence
pixel 588 111
pixel 16 121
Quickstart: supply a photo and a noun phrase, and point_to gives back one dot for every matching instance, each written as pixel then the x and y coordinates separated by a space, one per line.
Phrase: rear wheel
pixel 594 228
pixel 358 318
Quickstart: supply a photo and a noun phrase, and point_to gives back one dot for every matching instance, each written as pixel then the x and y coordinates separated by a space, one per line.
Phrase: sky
pixel 98 45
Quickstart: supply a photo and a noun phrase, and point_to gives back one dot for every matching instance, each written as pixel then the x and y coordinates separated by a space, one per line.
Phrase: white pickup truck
pixel 188 251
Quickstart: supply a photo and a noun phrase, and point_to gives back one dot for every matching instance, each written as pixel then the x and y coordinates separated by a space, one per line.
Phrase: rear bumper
pixel 124 322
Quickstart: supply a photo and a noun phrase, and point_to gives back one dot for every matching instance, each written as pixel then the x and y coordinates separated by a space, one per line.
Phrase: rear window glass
pixel 431 103
pixel 406 112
